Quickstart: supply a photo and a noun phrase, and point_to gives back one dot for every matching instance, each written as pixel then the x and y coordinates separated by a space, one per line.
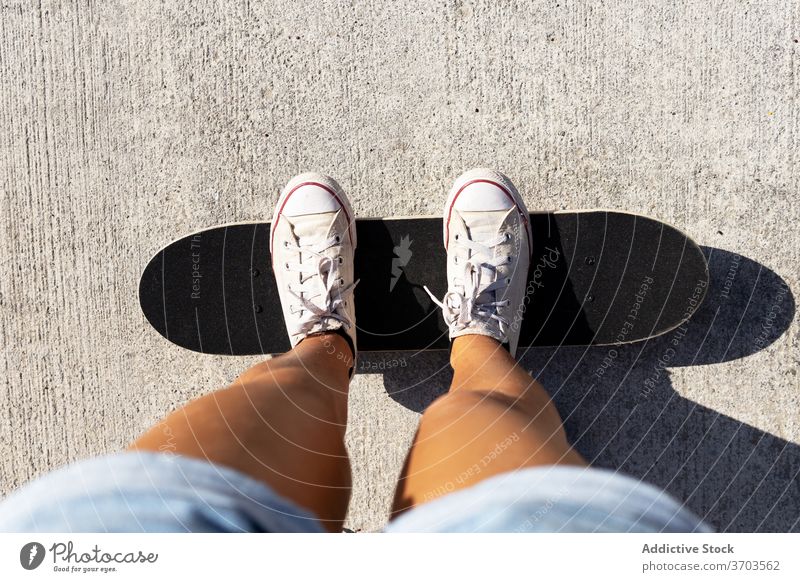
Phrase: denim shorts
pixel 152 492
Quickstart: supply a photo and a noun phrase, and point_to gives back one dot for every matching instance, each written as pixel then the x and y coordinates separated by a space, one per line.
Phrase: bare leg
pixel 495 418
pixel 281 422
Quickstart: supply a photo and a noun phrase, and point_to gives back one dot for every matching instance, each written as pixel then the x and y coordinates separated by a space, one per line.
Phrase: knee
pixel 460 403
pixel 266 371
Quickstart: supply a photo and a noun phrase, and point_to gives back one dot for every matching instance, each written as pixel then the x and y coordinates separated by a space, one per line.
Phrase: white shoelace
pixel 461 308
pixel 330 303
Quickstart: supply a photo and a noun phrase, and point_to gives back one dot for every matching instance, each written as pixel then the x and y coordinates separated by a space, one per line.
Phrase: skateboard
pixel 596 278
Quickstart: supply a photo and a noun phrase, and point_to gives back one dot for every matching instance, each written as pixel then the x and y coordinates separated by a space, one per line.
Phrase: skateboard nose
pixel 310 198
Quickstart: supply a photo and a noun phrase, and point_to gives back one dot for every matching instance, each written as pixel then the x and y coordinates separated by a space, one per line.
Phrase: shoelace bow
pixel 335 293
pixel 461 308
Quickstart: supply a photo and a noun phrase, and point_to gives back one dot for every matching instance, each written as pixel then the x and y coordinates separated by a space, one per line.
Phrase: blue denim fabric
pixel 150 492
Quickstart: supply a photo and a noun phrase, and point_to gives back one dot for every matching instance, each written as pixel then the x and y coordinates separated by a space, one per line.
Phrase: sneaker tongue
pixel 483 225
pixel 313 228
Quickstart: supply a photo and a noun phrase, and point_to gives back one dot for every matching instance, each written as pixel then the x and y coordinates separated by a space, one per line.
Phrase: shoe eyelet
pixel 507 236
pixel 286 244
pixel 508 280
pixel 455 260
pixel 455 237
pixel 341 260
pixel 286 266
pixel 508 259
pixel 338 239
pixel 341 281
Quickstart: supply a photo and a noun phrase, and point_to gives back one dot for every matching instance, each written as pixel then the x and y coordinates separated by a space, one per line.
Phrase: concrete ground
pixel 125 124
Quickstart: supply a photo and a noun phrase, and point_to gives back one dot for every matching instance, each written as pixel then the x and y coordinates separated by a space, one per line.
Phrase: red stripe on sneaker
pixel 493 183
pixel 292 191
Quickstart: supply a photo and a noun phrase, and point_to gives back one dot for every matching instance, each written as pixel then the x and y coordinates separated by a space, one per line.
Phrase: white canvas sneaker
pixel 313 239
pixel 487 235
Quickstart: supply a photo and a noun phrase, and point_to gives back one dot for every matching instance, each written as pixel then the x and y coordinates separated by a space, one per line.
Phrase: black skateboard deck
pixel 596 278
